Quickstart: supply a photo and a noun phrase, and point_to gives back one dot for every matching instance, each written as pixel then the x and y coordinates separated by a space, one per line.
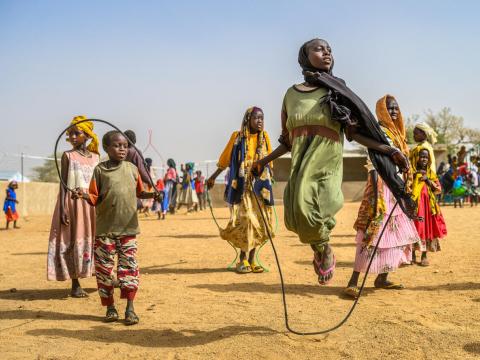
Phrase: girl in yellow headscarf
pixel 395 246
pixel 246 229
pixel 425 188
pixel 70 248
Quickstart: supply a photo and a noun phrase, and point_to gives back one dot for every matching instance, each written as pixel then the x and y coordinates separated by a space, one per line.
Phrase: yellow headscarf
pixel 395 129
pixel 418 185
pixel 87 128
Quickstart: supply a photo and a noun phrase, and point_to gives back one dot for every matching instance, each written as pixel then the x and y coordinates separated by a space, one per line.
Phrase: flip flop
pixel 111 316
pixel 256 268
pixel 243 267
pixel 351 291
pixel 81 294
pixel 323 273
pixel 131 318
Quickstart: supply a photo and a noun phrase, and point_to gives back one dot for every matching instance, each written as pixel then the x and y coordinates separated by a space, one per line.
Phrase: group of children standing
pixel 99 219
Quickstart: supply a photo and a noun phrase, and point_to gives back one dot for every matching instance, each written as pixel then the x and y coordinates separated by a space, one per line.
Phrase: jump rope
pixel 250 182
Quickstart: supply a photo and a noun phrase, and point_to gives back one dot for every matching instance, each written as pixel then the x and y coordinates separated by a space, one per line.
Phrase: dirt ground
pixel 191 307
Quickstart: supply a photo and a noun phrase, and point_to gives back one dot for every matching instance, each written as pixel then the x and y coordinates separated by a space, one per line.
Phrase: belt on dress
pixel 312 130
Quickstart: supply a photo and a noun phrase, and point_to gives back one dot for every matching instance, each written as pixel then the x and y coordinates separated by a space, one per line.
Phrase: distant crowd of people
pixel 459 178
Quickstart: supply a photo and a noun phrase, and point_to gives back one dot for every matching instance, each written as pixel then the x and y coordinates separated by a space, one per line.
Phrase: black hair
pixel 130 134
pixel 107 138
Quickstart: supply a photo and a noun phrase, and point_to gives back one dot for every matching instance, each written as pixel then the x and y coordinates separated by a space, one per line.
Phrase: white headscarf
pixel 431 134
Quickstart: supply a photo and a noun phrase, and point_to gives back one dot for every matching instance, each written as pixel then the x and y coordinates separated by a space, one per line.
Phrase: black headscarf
pixel 171 163
pixel 347 108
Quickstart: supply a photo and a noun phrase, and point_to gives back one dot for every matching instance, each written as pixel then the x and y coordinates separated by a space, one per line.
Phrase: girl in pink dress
pixel 70 247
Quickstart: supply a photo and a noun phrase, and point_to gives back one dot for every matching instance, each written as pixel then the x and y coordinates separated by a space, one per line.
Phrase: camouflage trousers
pixel 127 267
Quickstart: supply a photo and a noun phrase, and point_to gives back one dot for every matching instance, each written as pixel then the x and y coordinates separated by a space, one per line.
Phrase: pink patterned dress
pixel 70 248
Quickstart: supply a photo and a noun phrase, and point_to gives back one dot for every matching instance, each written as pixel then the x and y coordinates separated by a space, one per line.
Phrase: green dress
pixel 313 194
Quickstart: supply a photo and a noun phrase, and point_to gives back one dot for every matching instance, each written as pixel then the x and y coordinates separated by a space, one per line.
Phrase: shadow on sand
pixel 39 294
pixel 154 338
pixel 155 270
pixel 292 289
pixel 188 236
pixel 473 348
pixel 48 315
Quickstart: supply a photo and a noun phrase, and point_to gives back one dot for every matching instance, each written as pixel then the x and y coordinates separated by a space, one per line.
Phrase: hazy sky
pixel 189 69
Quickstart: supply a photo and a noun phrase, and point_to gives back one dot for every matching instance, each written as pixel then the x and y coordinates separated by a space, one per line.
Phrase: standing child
pixel 246 229
pixel 171 180
pixel 158 204
pixel 113 191
pixel 395 245
pixel 200 190
pixel 187 195
pixel 70 245
pixel 425 188
pixel 9 205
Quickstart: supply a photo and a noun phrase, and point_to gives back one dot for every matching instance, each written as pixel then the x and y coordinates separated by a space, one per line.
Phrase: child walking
pixel 70 245
pixel 425 188
pixel 10 205
pixel 395 247
pixel 246 229
pixel 113 191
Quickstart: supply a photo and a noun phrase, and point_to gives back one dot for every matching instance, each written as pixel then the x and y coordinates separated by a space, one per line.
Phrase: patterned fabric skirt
pixel 70 248
pixel 395 246
pixel 246 229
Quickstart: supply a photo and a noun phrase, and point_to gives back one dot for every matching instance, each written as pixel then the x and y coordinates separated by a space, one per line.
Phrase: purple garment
pixel 134 157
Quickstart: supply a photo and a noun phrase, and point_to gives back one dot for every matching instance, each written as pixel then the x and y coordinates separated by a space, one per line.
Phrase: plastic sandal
pixel 317 261
pixel 112 315
pixel 243 267
pixel 131 318
pixel 256 268
pixel 351 291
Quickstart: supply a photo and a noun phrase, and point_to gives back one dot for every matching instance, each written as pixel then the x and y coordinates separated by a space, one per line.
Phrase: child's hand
pixel 64 218
pixel 77 194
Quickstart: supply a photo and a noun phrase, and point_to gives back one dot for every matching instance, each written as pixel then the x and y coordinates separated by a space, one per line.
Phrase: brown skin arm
pixel 398 158
pixel 211 179
pixel 63 192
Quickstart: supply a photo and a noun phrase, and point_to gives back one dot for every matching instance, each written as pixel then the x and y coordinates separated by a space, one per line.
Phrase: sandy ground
pixel 192 307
